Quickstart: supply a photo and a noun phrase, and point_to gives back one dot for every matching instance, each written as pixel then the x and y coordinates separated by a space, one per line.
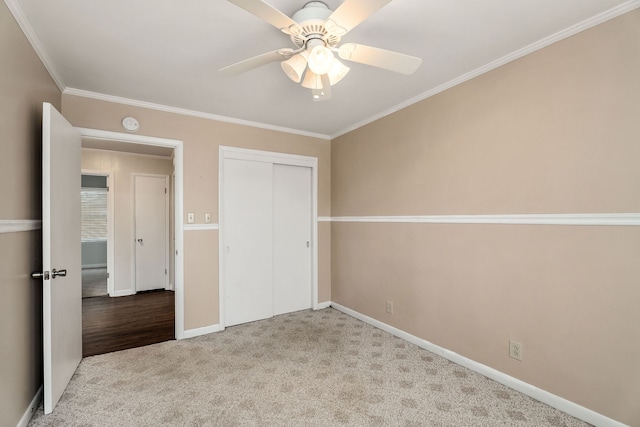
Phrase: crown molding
pixel 560 35
pixel 26 28
pixel 186 112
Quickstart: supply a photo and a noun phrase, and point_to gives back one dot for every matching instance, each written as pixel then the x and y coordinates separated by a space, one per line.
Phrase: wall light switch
pixel 191 217
pixel 207 217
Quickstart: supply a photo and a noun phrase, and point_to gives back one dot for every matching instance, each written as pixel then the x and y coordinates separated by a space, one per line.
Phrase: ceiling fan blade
pixel 265 11
pixel 352 12
pixel 255 62
pixel 392 61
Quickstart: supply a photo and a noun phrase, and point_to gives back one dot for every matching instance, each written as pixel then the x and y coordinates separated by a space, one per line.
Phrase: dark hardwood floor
pixel 112 324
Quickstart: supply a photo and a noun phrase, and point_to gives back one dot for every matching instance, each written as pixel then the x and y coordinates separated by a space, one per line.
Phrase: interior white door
pixel 248 270
pixel 291 238
pixel 61 254
pixel 152 232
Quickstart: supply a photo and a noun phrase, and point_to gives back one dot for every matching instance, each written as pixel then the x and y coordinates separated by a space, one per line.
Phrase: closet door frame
pixel 274 158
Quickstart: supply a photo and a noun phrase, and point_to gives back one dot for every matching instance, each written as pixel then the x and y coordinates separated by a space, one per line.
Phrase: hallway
pixel 113 324
pixel 94 282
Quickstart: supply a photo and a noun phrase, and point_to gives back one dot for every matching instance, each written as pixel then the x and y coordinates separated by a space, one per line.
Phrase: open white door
pixel 61 263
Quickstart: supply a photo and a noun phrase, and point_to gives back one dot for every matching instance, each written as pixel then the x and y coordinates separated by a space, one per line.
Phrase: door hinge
pixel 165 271
pixel 165 191
pixel 107 275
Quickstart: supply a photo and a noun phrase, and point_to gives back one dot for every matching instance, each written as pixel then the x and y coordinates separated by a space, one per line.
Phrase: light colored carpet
pixel 94 282
pixel 308 368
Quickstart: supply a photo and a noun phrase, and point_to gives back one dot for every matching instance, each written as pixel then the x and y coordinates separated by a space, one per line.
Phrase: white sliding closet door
pixel 248 241
pixel 267 218
pixel 291 238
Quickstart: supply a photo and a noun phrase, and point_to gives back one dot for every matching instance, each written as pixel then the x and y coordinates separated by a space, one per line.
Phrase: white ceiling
pixel 167 52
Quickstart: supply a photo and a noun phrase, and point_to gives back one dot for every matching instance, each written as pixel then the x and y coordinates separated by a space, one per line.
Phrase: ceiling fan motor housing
pixel 313 25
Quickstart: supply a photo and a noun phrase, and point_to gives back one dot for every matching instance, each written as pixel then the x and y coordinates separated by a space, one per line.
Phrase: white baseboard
pixel 201 331
pixel 123 293
pixel 322 305
pixel 543 396
pixel 33 406
pixel 127 292
pixel 217 328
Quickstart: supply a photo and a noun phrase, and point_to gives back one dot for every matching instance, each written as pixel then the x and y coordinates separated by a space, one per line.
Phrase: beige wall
pixel 554 132
pixel 25 85
pixel 202 288
pixel 123 166
pixel 202 138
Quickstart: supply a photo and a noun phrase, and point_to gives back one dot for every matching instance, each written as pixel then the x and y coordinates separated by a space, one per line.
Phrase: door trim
pixel 111 274
pixel 134 226
pixel 226 152
pixel 178 163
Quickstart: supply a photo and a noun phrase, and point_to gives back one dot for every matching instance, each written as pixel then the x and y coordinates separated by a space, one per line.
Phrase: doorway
pixel 114 324
pixel 150 146
pixel 126 319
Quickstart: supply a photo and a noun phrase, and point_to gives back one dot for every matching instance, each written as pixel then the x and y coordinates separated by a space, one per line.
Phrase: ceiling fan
pixel 316 32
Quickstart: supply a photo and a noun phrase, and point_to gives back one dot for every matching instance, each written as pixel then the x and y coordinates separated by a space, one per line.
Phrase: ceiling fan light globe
pixel 312 80
pixel 294 67
pixel 320 59
pixel 337 72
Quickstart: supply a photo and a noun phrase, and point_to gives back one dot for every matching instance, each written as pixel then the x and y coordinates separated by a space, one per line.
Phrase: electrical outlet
pixel 390 307
pixel 515 350
pixel 191 217
pixel 207 217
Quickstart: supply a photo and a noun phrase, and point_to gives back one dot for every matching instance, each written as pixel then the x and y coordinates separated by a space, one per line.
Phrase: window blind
pixel 93 214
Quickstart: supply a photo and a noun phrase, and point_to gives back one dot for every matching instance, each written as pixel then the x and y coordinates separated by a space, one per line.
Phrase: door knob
pixel 140 241
pixel 45 274
pixel 55 273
